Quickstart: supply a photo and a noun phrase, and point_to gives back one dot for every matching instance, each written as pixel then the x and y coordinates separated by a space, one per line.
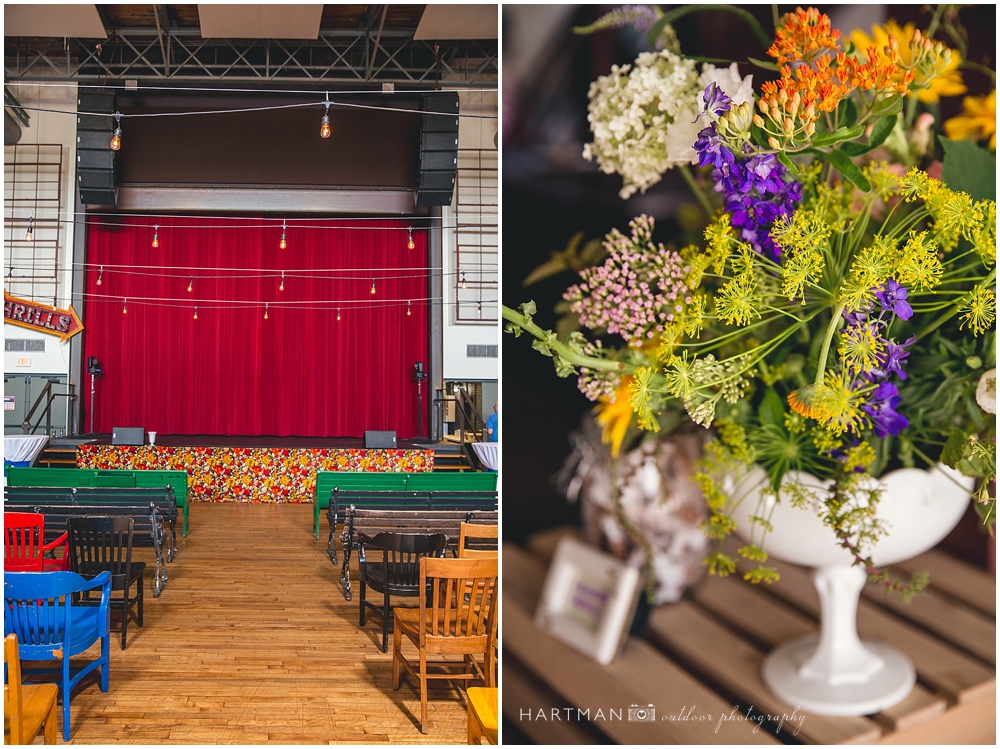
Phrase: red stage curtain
pixel 231 372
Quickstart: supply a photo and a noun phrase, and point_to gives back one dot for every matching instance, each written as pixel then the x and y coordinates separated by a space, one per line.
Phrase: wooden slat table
pixel 702 657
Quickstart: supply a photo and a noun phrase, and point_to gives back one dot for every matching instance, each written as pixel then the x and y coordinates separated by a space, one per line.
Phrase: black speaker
pixel 128 436
pixel 380 439
pixel 438 148
pixel 95 161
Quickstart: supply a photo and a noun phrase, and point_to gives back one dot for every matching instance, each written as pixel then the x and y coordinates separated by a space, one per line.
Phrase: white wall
pixel 44 128
pixel 476 184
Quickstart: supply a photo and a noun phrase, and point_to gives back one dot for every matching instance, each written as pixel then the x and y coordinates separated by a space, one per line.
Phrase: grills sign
pixel 41 317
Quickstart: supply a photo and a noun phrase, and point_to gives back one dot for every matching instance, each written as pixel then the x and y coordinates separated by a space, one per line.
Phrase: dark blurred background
pixel 550 192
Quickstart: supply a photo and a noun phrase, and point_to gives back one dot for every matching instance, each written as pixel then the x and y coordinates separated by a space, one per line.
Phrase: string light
pixel 100 276
pixel 282 244
pixel 479 309
pixel 410 244
pixel 407 307
pixel 195 313
pixel 29 236
pixel 465 284
pixel 125 306
pixel 338 313
pixel 265 311
pixel 191 284
pixel 324 128
pixel 373 286
pixel 281 286
pixel 116 139
pixel 156 236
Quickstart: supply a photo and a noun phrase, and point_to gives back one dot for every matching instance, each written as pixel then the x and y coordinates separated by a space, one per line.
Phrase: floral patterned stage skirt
pixel 251 474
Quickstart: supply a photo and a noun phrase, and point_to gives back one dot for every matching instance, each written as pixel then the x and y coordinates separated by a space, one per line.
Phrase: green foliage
pixel 848 170
pixel 969 168
pixel 672 15
pixel 883 126
pixel 838 136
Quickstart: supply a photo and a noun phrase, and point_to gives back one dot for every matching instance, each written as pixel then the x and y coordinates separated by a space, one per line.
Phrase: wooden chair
pixel 479 532
pixel 25 709
pixel 451 623
pixel 483 709
pixel 100 544
pixel 39 609
pixel 24 546
pixel 397 573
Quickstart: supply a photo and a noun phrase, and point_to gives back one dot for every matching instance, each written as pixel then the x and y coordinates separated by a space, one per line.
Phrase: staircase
pixel 451 456
pixel 58 454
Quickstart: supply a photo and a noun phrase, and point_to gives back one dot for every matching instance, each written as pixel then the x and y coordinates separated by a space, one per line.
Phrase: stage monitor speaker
pixel 438 148
pixel 95 161
pixel 375 439
pixel 128 436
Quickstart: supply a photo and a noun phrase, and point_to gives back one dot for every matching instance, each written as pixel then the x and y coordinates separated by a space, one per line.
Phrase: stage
pixel 253 469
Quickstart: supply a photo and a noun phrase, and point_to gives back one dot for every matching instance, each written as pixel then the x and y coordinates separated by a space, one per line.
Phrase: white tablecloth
pixel 18 448
pixel 488 453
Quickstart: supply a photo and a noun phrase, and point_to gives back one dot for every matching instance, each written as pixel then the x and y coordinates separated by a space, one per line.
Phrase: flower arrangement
pixel 839 318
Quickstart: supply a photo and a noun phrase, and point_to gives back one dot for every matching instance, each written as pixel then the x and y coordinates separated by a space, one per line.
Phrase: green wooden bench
pixel 89 477
pixel 327 481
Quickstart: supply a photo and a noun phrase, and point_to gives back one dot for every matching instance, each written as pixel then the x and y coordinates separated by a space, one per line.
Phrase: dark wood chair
pixel 397 573
pixel 99 544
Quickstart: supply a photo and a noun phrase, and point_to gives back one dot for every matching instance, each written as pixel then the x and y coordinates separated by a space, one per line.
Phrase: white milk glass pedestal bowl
pixel 835 672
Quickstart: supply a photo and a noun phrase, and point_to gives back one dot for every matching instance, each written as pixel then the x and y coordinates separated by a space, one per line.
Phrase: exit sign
pixel 24 361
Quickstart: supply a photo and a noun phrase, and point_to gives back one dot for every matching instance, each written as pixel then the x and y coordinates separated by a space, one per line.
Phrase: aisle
pixel 252 642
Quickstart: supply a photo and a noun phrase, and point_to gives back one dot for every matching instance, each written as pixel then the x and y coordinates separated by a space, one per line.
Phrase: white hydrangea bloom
pixel 645 117
pixel 632 112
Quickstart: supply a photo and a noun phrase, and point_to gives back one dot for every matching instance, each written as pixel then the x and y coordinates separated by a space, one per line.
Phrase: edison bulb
pixel 156 242
pixel 116 139
pixel 324 128
pixel 282 244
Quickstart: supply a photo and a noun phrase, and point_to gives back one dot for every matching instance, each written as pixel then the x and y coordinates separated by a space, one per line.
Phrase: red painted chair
pixel 24 546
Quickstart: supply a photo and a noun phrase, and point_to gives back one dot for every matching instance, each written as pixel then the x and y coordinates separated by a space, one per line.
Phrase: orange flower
pixel 803 36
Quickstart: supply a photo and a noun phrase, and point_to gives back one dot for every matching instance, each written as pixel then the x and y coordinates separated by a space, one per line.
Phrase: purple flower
pixel 855 318
pixel 716 101
pixel 892 360
pixel 893 297
pixel 882 409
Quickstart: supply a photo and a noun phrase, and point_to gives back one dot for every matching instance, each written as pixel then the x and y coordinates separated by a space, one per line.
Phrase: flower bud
pixel 782 96
pixel 789 125
pixel 762 105
pixel 775 114
pixel 811 128
pixel 893 44
pixel 773 143
pixel 758 120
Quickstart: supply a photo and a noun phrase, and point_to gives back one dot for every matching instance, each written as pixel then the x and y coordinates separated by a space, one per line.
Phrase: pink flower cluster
pixel 636 291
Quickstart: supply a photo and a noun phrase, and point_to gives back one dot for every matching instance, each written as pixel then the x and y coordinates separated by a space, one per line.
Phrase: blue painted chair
pixel 38 608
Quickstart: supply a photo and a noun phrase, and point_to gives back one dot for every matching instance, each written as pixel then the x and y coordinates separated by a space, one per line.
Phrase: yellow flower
pixel 978 119
pixel 615 415
pixel 946 82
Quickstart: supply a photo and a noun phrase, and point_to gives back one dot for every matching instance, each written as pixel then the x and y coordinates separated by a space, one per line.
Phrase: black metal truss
pixel 344 57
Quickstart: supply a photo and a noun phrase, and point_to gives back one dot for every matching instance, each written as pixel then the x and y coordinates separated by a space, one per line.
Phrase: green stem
pixel 561 349
pixel 685 171
pixel 935 21
pixel 825 351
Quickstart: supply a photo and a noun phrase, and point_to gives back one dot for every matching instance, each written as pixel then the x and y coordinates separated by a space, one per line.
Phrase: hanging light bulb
pixel 465 284
pixel 338 313
pixel 116 138
pixel 191 284
pixel 125 306
pixel 410 244
pixel 195 313
pixel 373 286
pixel 407 307
pixel 479 309
pixel 282 244
pixel 324 127
pixel 281 286
pixel 29 236
pixel 156 236
pixel 265 311
pixel 100 276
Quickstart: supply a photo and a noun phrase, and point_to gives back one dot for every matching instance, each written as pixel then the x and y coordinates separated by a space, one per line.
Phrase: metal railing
pixel 48 396
pixel 470 422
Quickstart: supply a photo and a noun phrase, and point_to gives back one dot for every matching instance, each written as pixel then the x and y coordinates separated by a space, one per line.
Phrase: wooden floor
pixel 252 641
